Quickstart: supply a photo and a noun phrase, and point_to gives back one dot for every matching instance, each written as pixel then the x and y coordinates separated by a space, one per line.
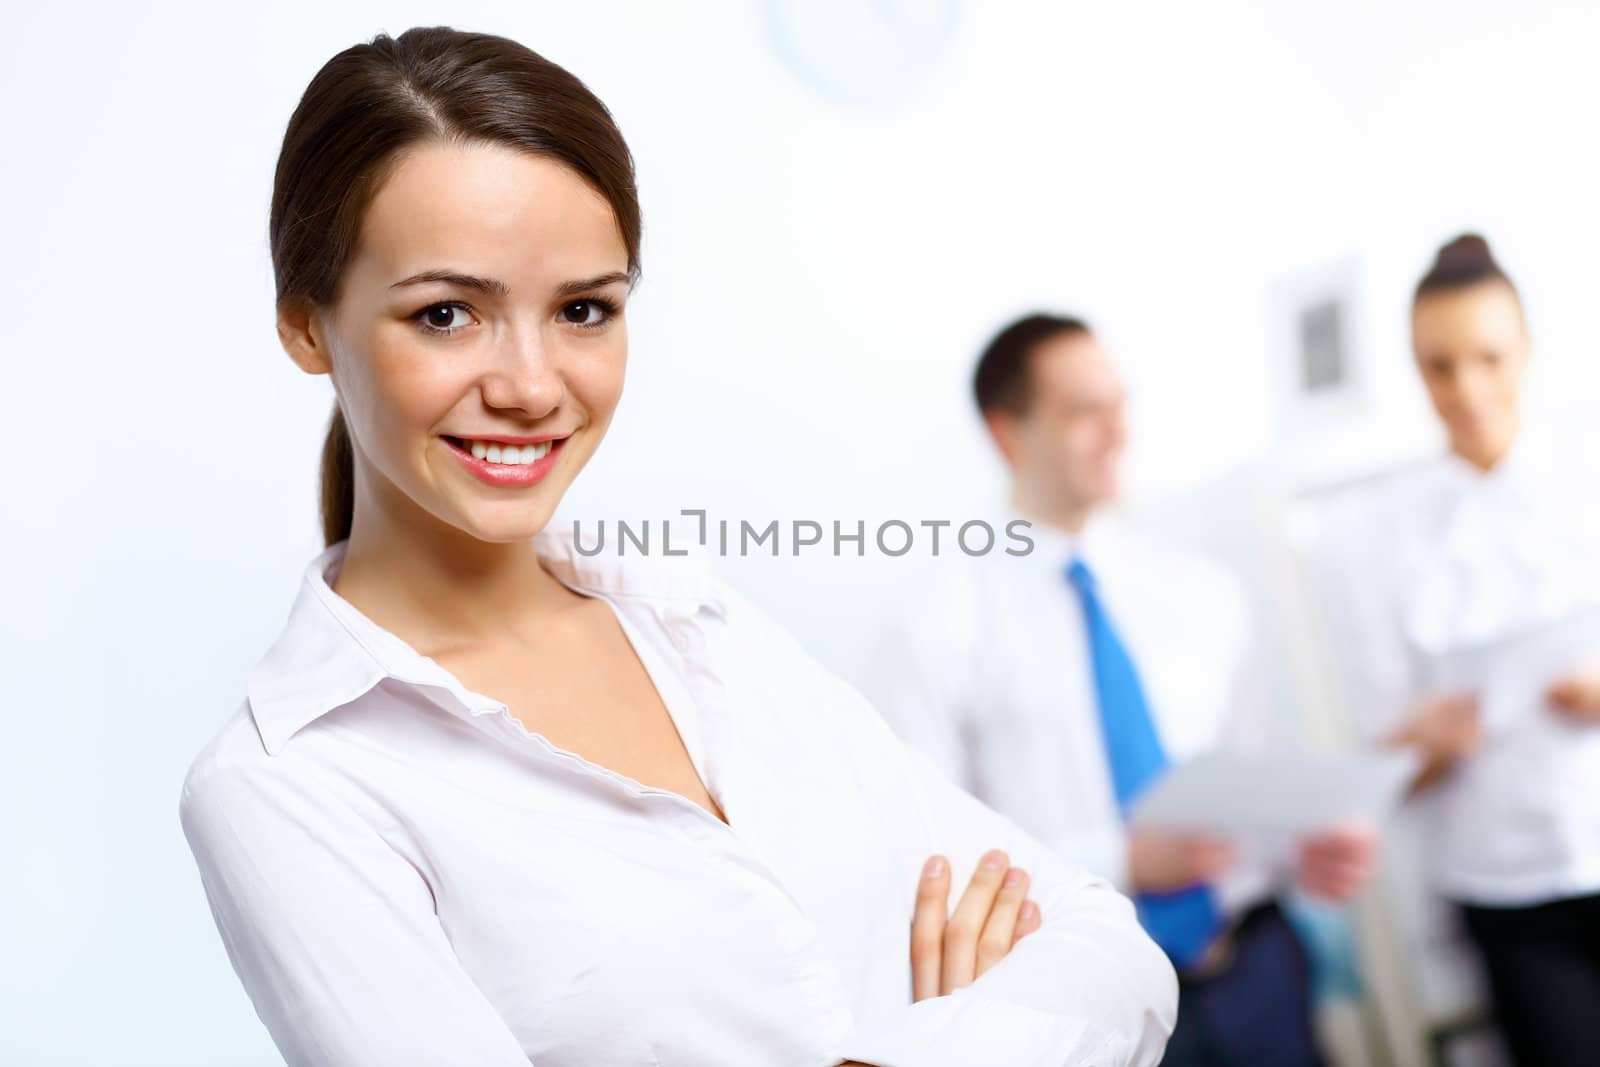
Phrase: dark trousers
pixel 1543 964
pixel 1254 1013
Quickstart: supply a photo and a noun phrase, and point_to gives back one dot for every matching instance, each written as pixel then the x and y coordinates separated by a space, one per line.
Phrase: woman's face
pixel 476 342
pixel 1472 347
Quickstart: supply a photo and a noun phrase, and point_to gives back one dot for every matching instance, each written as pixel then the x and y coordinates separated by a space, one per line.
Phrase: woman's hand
pixel 992 916
pixel 1160 861
pixel 1577 696
pixel 949 951
pixel 1445 729
pixel 1335 864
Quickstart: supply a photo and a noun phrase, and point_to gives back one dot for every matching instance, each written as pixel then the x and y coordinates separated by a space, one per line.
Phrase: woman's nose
pixel 523 377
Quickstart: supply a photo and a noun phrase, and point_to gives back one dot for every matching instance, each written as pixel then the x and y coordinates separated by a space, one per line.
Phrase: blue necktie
pixel 1182 922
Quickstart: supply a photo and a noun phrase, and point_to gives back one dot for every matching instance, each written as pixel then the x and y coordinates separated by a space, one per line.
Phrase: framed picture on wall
pixel 1316 348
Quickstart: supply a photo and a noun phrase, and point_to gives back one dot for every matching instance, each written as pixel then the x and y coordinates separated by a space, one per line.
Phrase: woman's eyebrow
pixel 465 281
pixel 499 288
pixel 596 282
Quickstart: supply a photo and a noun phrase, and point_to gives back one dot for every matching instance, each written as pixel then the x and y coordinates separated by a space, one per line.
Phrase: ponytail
pixel 338 480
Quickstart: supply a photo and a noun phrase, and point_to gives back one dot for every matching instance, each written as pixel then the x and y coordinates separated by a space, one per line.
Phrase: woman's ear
pixel 301 336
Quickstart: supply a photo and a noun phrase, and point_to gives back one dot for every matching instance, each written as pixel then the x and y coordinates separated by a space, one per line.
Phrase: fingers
pixel 1029 919
pixel 1000 930
pixel 961 933
pixel 1577 695
pixel 1336 864
pixel 1463 731
pixel 1447 728
pixel 1207 858
pixel 1334 880
pixel 992 915
pixel 927 928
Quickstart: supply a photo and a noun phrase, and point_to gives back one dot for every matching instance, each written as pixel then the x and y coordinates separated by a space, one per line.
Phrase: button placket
pixel 706 688
pixel 709 688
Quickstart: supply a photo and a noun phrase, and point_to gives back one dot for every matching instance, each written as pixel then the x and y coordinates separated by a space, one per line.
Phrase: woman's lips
pixel 512 475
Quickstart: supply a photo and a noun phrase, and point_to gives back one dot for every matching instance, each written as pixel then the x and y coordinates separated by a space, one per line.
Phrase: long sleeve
pixel 1088 988
pixel 923 684
pixel 331 931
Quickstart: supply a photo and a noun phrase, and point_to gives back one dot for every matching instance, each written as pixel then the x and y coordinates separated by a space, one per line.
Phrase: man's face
pixel 1069 442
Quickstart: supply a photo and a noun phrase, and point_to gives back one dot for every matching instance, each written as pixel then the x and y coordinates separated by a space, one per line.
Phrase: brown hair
pixel 1460 264
pixel 373 100
pixel 1001 381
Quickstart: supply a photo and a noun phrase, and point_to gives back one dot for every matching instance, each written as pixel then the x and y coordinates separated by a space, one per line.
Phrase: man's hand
pixel 1335 864
pixel 1160 861
pixel 993 915
pixel 1577 696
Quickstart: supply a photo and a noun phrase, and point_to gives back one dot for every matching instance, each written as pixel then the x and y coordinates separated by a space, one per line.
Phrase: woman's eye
pixel 585 313
pixel 443 318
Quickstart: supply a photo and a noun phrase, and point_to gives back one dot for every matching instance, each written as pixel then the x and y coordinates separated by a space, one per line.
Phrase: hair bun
pixel 1460 264
pixel 1465 254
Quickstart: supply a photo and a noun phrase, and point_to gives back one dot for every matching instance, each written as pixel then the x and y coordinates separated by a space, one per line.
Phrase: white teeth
pixel 511 455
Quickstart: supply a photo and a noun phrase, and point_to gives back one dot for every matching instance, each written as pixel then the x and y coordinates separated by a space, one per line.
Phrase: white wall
pixel 818 280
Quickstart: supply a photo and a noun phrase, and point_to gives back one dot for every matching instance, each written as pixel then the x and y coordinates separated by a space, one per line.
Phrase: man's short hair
pixel 1002 381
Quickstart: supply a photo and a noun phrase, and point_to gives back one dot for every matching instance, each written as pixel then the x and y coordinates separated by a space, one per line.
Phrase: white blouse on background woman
pixel 1454 580
pixel 403 875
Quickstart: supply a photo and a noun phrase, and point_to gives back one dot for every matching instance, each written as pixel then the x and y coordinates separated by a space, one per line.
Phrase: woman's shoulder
pixel 235 745
pixel 233 772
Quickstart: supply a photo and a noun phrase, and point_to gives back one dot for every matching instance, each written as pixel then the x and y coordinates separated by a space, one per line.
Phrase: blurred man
pixel 1058 685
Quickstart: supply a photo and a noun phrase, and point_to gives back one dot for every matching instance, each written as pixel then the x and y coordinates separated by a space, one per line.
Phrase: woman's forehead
pixel 482 207
pixel 1474 311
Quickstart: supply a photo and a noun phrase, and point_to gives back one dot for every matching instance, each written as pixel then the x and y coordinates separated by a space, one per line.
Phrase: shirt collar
pixel 1054 547
pixel 329 653
pixel 1523 461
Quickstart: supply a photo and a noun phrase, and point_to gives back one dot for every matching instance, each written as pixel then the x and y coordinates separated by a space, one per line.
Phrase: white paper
pixel 1233 793
pixel 1514 676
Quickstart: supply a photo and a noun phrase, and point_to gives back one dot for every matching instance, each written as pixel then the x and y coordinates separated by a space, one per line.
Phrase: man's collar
pixel 1054 547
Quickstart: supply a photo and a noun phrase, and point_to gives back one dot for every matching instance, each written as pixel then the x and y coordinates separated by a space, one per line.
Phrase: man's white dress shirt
pixel 1428 580
pixel 989 672
pixel 403 875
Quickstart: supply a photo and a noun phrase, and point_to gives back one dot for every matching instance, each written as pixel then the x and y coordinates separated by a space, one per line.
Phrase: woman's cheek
pixel 597 382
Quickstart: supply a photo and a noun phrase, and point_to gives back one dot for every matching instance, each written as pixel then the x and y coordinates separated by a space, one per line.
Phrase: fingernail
pixel 934 867
pixel 994 861
pixel 1029 912
pixel 1014 877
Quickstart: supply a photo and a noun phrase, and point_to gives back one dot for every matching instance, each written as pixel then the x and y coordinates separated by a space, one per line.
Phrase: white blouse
pixel 1449 579
pixel 403 875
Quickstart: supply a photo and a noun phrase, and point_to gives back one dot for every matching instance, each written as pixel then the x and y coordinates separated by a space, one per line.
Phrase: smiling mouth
pixel 507 455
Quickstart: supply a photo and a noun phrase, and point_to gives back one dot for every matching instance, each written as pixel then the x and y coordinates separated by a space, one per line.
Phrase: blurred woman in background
pixel 1464 593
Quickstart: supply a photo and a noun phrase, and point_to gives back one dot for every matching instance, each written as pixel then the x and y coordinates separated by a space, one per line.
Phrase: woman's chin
pixel 1481 447
pixel 506 523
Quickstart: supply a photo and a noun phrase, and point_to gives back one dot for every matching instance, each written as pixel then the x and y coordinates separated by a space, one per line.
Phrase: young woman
pixel 491 801
pixel 1488 551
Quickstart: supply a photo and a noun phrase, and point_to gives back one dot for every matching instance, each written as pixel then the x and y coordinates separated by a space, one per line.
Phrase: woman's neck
pixel 437 587
pixel 1486 457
